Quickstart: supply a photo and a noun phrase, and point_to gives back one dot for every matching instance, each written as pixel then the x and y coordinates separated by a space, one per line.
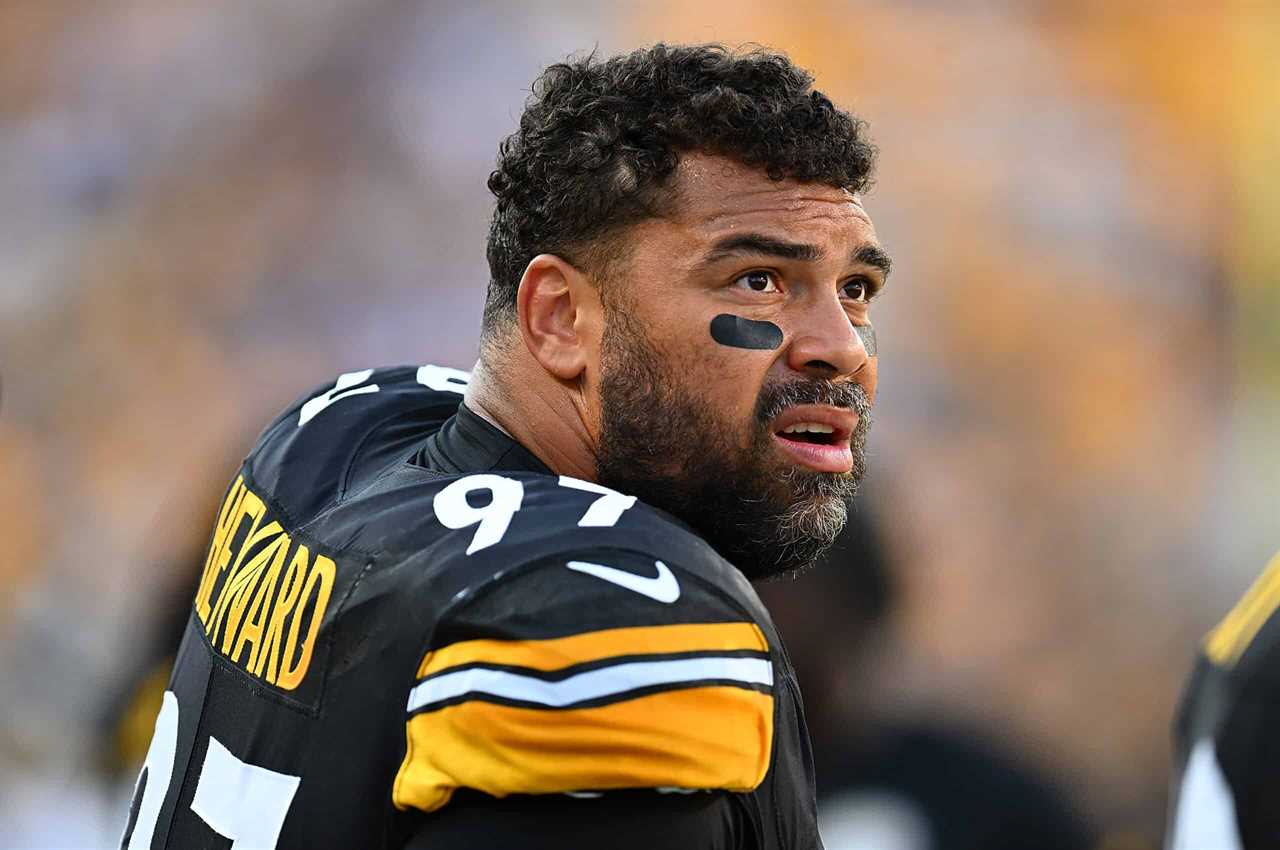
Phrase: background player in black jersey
pixel 1226 793
pixel 437 625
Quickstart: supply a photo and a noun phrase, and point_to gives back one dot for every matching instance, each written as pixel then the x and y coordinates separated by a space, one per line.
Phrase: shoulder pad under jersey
pixel 332 440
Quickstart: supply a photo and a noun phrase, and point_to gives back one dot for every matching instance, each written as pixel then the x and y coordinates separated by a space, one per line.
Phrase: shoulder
pixel 269 586
pixel 331 439
pixel 455 538
pixel 583 642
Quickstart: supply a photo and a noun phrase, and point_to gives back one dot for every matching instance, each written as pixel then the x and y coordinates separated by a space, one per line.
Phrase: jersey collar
pixel 468 443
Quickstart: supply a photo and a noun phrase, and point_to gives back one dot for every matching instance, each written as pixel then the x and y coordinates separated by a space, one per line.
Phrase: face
pixel 737 366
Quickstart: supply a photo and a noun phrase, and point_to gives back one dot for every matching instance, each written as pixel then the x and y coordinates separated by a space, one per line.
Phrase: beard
pixel 662 443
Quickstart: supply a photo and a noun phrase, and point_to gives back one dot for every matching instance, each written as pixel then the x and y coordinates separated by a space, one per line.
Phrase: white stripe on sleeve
pixel 593 684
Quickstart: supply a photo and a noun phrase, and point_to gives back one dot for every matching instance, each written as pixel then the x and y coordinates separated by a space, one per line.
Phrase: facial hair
pixel 662 443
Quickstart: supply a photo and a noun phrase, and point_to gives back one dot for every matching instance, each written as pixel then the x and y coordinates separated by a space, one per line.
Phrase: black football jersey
pixel 403 614
pixel 1226 792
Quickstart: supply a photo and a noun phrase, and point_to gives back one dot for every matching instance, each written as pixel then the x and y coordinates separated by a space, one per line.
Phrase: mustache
pixel 777 398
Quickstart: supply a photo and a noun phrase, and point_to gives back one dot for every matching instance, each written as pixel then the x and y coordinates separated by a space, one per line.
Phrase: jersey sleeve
pixel 591 671
pixel 617 821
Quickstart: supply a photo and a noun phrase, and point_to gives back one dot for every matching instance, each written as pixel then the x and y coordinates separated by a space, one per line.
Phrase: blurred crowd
pixel 211 207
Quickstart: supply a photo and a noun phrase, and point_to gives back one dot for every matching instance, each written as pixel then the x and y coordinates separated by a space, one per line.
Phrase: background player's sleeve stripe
pixel 711 737
pixel 1230 638
pixel 609 681
pixel 556 653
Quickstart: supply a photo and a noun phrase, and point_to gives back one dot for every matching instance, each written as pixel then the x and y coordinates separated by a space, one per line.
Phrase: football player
pixel 1227 790
pixel 513 609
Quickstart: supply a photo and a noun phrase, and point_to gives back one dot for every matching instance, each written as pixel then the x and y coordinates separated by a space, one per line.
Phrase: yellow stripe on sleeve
pixel 711 737
pixel 557 653
pixel 1230 638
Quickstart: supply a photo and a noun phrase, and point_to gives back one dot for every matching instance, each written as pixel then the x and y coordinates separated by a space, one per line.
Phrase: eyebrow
pixel 874 256
pixel 756 244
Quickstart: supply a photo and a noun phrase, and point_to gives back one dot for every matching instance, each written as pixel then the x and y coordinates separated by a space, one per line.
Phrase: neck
pixel 539 413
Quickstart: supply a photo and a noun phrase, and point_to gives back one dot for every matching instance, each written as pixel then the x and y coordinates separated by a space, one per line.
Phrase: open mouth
pixel 817 437
pixel 810 432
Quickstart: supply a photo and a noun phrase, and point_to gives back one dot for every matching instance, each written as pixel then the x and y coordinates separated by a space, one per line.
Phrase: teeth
pixel 808 427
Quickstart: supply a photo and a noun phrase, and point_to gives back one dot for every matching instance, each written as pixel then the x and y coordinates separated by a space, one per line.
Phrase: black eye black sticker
pixel 738 332
pixel 867 334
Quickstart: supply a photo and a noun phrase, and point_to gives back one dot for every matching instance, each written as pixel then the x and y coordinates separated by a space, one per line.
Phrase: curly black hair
pixel 600 139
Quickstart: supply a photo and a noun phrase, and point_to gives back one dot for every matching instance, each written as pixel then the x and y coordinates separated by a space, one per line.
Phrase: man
pixel 1227 793
pixel 525 620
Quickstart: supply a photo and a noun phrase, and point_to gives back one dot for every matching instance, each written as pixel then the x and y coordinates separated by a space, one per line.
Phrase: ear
pixel 557 308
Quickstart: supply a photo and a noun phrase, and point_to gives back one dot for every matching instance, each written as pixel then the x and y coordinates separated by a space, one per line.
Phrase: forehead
pixel 716 195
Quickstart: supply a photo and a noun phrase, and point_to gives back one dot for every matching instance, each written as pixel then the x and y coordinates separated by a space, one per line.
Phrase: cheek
pixel 728 377
pixel 731 381
pixel 868 380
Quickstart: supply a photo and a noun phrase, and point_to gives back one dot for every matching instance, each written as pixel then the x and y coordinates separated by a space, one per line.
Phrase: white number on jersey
pixel 158 769
pixel 439 378
pixel 605 511
pixel 240 801
pixel 506 495
pixel 453 510
pixel 443 379
pixel 348 384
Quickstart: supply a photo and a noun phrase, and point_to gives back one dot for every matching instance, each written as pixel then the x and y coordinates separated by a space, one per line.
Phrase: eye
pixel 859 290
pixel 757 281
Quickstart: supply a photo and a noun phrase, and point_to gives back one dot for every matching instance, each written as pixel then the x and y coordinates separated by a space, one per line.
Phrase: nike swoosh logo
pixel 663 587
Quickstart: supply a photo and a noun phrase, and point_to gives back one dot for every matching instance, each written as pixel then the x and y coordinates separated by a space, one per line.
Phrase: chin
pixel 821 518
pixel 790 541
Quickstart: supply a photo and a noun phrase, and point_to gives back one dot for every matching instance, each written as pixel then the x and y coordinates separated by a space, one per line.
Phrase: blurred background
pixel 209 208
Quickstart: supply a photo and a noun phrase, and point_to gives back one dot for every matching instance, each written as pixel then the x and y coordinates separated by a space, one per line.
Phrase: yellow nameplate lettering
pixel 261 614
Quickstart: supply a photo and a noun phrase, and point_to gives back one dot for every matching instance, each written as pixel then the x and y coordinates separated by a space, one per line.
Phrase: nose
pixel 827 345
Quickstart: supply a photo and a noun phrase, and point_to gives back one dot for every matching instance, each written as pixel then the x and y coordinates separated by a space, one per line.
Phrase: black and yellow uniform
pixel 1227 791
pixel 410 633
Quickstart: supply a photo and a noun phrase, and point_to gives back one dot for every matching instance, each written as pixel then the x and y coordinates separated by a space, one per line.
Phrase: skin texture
pixel 672 276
